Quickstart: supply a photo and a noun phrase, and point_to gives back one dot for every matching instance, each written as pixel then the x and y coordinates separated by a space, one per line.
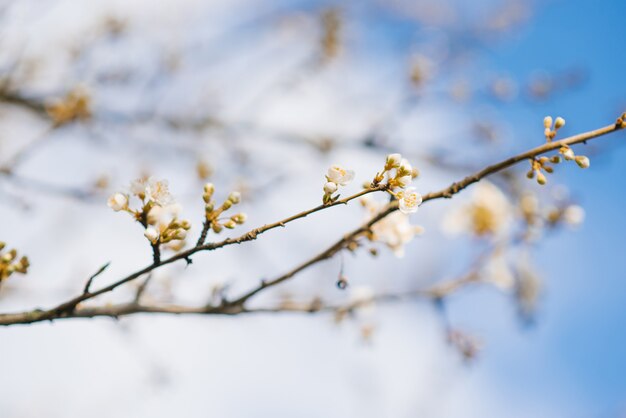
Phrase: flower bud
pixel 559 123
pixel 239 218
pixel 230 224
pixel 547 122
pixel 180 234
pixel 330 188
pixel 216 227
pixel 567 153
pixel 234 197
pixel 582 161
pixel 8 257
pixel 152 234
pixel 209 189
pixel 185 224
pixel 227 204
pixel 541 179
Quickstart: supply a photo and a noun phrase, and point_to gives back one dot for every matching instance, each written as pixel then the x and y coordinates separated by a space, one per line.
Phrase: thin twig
pixel 142 288
pixel 93 276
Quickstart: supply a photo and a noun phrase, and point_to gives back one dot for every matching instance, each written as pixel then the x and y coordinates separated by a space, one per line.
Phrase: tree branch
pixel 71 309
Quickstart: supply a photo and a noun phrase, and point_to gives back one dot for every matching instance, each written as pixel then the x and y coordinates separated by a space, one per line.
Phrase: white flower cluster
pixel 488 213
pixel 394 230
pixel 158 213
pixel 336 176
pixel 408 199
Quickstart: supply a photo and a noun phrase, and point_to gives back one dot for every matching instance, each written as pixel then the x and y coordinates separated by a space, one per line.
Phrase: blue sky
pixel 576 351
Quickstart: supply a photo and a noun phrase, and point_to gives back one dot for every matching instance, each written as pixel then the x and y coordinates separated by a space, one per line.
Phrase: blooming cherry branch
pixel 151 194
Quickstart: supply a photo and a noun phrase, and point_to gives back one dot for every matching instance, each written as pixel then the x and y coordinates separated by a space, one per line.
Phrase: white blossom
pixel 393 161
pixel 488 213
pixel 394 230
pixel 161 216
pixel 404 181
pixel 498 272
pixel 118 201
pixel 409 200
pixel 340 176
pixel 405 166
pixel 574 215
pixel 156 191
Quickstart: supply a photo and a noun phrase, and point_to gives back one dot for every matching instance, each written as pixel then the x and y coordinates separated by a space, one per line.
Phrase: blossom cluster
pixel 212 213
pixel 541 164
pixel 394 230
pixel 487 214
pixel 157 213
pixel 400 174
pixel 9 263
pixel 75 105
pixel 335 177
pixel 550 128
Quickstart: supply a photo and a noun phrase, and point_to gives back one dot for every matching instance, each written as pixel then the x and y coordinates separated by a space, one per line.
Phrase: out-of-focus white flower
pixel 574 215
pixel 340 176
pixel 498 272
pixel 394 230
pixel 489 213
pixel 409 200
pixel 363 297
pixel 152 234
pixel 156 191
pixel 118 201
pixel 161 216
pixel 330 187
